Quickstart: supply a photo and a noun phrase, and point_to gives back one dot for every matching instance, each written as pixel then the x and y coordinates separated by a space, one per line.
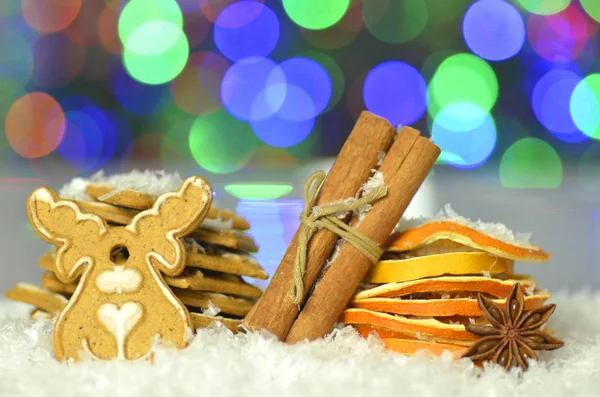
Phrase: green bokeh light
pixel 395 21
pixel 258 191
pixel 174 126
pixel 335 73
pixel 316 14
pixel 463 78
pixel 434 60
pixel 220 143
pixel 531 163
pixel 589 168
pixel 592 7
pixel 545 7
pixel 138 12
pixel 159 68
pixel 585 106
pixel 153 38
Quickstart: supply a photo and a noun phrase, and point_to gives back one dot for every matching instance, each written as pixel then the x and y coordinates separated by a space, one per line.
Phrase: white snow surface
pixel 498 231
pixel 217 363
pixel 148 181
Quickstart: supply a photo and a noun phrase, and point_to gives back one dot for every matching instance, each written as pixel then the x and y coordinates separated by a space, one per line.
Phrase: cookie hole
pixel 119 254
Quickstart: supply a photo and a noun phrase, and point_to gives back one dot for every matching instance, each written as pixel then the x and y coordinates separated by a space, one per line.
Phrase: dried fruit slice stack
pixel 424 290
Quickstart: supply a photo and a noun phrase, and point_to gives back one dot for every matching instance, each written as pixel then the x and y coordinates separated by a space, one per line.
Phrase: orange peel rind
pixel 434 231
pixel 438 307
pixel 492 286
pixel 411 347
pixel 457 263
pixel 427 327
pixel 368 330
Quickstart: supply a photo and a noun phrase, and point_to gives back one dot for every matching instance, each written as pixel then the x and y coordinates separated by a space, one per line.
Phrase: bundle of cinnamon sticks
pixel 408 159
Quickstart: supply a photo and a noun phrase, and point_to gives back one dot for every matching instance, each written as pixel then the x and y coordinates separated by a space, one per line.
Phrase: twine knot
pixel 328 216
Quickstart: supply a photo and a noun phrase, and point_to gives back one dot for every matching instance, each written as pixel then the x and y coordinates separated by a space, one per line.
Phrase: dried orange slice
pixel 459 263
pixel 409 326
pixel 366 330
pixel 437 307
pixel 410 347
pixel 434 231
pixel 491 286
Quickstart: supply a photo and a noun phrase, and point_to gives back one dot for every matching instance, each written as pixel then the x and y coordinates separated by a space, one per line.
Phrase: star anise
pixel 514 334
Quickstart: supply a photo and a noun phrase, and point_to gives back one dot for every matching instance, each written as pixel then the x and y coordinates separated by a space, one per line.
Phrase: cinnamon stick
pixel 274 311
pixel 404 169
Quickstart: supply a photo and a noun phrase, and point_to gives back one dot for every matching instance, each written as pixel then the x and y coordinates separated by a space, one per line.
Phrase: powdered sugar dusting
pixel 498 231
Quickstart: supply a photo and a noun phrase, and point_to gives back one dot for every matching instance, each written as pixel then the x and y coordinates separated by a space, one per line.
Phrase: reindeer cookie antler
pixel 120 307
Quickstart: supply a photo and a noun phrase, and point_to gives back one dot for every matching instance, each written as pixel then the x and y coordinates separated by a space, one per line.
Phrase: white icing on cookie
pixel 198 183
pixel 119 280
pixel 120 321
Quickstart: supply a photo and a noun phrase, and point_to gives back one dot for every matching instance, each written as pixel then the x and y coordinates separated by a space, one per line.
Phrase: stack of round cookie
pixel 219 252
pixel 424 290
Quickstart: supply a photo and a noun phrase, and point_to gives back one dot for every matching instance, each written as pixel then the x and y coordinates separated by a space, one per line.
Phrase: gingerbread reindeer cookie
pixel 119 308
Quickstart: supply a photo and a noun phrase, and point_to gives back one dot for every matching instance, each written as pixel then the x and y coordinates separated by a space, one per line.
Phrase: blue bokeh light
pixel 493 29
pixel 551 104
pixel 86 145
pixel 246 28
pixel 291 125
pixel 276 222
pixel 91 136
pixel 465 133
pixel 122 129
pixel 253 88
pixel 396 91
pixel 136 97
pixel 312 78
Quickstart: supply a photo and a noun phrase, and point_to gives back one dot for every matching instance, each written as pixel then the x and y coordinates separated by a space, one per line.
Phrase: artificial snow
pixel 155 182
pixel 495 230
pixel 248 258
pixel 212 310
pixel 218 363
pixel 149 181
pixel 380 157
pixel 373 183
pixel 218 223
pixel 192 245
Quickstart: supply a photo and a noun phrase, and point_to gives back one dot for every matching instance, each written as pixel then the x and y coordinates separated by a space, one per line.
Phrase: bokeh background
pixel 255 94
